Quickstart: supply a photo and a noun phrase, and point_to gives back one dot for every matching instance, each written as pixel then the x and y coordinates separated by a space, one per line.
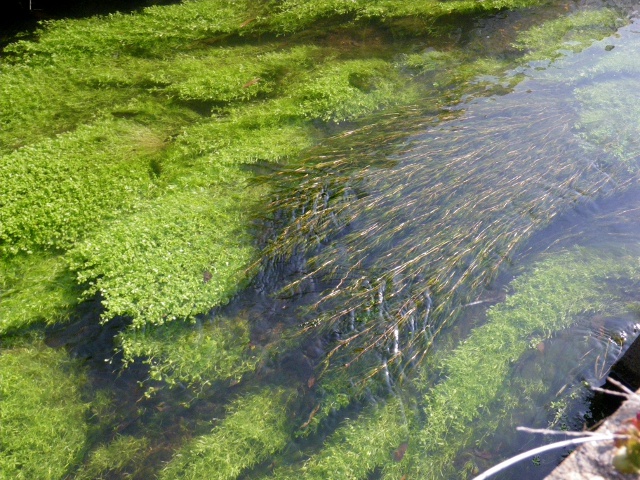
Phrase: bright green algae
pixel 43 427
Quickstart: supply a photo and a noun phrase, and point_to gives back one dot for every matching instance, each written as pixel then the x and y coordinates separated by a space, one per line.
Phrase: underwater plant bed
pixel 327 238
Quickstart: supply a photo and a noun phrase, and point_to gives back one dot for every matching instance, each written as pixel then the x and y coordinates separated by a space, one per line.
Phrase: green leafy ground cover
pixel 126 143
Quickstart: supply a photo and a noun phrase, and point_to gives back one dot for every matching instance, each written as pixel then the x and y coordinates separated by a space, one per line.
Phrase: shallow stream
pixel 431 276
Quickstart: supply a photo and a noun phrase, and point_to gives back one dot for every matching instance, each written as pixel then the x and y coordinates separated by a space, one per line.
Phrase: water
pixel 415 235
pixel 393 252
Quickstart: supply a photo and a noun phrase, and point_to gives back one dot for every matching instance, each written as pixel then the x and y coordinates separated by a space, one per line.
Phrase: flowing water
pixel 417 233
pixel 431 279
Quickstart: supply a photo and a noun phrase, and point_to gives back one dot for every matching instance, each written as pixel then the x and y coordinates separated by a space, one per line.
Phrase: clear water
pixel 482 183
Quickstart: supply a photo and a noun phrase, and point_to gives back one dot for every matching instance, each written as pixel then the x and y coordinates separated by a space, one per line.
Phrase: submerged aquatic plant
pixel 256 427
pixel 403 239
pixel 547 300
pixel 43 428
pixel 358 447
pixel 209 351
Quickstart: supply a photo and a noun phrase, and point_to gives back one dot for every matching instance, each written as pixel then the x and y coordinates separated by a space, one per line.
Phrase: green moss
pixel 545 301
pixel 571 33
pixel 35 288
pixel 42 415
pixel 178 256
pixel 255 428
pixel 126 89
pixel 119 456
pixel 56 191
pixel 194 355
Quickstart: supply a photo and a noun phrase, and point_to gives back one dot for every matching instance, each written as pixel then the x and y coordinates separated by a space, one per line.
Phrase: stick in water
pixel 530 453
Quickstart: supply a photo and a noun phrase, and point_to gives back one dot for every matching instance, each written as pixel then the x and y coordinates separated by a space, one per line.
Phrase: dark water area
pixel 20 18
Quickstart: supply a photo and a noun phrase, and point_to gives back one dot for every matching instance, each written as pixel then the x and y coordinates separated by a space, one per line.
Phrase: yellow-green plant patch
pixel 195 354
pixel 57 190
pixel 42 414
pixel 35 288
pixel 176 257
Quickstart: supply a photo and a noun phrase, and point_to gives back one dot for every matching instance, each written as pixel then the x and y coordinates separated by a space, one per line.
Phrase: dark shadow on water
pixel 20 18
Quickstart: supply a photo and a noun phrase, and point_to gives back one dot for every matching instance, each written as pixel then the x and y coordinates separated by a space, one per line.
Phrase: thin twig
pixel 545 431
pixel 531 453
pixel 610 392
pixel 624 388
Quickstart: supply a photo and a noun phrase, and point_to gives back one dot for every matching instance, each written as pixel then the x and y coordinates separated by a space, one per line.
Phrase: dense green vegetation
pixel 254 429
pixel 130 153
pixel 43 426
pixel 195 356
pixel 556 293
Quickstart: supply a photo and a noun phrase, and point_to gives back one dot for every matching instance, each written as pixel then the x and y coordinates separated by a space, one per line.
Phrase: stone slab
pixel 592 461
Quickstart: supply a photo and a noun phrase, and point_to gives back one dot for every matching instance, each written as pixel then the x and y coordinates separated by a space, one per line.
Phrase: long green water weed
pixel 42 414
pixel 359 446
pixel 379 260
pixel 546 300
pixel 255 428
